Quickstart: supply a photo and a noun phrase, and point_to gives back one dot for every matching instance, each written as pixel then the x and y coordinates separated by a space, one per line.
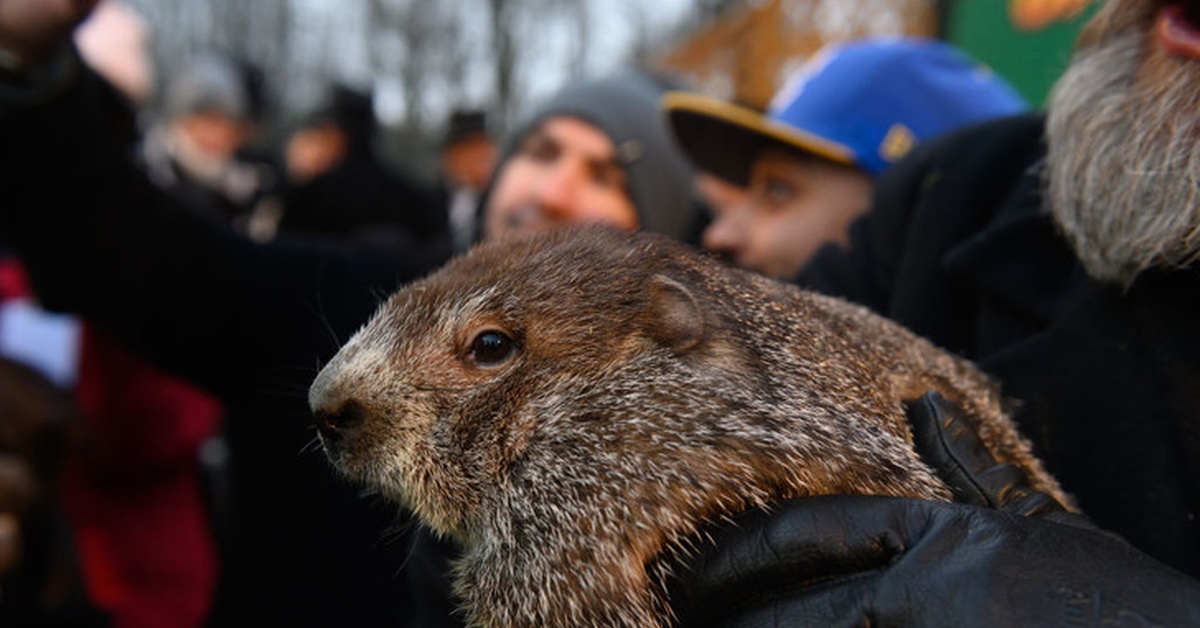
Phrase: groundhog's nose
pixel 334 410
pixel 335 423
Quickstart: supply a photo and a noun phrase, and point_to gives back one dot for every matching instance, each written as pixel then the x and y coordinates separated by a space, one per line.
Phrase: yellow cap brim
pixel 724 139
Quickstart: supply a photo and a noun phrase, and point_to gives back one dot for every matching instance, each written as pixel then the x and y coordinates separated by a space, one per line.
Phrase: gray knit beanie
pixel 625 107
pixel 209 82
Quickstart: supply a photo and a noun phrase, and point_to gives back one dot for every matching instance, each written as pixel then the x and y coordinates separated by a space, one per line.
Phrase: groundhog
pixel 571 407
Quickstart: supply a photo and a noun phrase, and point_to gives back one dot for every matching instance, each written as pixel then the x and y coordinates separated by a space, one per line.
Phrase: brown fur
pixel 651 390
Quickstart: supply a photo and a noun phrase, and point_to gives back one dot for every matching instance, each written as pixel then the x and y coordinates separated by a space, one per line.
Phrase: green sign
pixel 1030 56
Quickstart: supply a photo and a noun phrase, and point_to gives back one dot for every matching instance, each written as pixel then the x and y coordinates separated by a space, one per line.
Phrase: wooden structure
pixel 746 52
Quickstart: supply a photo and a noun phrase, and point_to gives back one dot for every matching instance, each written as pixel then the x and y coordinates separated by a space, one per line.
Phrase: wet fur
pixel 653 390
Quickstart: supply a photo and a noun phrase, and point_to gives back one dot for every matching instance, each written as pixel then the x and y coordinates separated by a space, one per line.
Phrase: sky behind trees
pixel 420 57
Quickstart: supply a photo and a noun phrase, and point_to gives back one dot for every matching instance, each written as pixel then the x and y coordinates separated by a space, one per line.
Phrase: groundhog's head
pixel 572 406
pixel 558 347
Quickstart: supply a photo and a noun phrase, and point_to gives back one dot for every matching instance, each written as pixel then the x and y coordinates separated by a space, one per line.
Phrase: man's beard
pixel 1123 166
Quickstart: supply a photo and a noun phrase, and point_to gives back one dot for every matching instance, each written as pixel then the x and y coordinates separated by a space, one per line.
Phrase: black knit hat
pixel 350 110
pixel 464 124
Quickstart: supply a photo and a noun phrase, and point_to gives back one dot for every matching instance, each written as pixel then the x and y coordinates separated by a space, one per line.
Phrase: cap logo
pixel 897 143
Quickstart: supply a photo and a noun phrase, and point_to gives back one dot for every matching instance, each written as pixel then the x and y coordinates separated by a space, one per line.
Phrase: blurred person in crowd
pixel 41 585
pixel 197 147
pixel 719 195
pixel 466 158
pixel 133 488
pixel 341 187
pixel 810 163
pixel 131 483
pixel 597 151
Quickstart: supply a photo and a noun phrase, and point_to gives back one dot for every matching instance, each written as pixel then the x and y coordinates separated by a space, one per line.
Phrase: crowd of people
pixel 1054 248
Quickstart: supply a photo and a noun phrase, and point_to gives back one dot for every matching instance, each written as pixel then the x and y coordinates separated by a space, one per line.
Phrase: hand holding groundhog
pixel 572 407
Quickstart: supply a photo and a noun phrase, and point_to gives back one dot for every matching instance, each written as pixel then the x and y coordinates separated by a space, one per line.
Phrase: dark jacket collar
pixel 1042 274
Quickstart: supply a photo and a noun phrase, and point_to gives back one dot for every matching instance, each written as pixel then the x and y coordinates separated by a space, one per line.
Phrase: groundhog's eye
pixel 491 348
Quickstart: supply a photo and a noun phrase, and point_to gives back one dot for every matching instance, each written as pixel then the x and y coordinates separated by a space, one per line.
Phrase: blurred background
pixel 422 59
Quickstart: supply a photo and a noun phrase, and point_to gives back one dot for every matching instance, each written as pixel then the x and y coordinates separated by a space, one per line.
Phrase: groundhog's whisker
pixel 314 444
pixel 576 409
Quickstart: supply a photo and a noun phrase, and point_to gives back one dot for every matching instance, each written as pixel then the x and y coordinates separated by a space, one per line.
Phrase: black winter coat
pixel 251 323
pixel 959 249
pixel 359 194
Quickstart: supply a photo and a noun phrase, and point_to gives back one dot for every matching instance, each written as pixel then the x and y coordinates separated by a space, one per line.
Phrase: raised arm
pixel 101 240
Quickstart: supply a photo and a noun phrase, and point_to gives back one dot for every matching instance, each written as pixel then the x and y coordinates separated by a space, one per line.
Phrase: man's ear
pixel 675 319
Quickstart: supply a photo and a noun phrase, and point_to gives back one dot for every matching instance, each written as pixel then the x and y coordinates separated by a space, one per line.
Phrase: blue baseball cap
pixel 865 103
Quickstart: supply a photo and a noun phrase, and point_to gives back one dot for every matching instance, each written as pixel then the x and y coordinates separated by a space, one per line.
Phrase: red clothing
pixel 132 488
pixel 134 495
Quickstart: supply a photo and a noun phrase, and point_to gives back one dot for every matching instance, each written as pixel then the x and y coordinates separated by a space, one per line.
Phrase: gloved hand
pixel 1016 559
pixel 951 446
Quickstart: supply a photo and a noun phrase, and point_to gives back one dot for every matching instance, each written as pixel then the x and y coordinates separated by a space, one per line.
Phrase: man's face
pixel 469 162
pixel 564 171
pixel 792 207
pixel 1123 165
pixel 314 151
pixel 213 132
pixel 205 142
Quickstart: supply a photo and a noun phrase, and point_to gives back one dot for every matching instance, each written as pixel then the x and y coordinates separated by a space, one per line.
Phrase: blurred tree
pixel 421 57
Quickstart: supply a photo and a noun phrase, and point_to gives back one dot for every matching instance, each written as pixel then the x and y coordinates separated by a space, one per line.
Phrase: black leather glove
pixel 1017 559
pixel 951 446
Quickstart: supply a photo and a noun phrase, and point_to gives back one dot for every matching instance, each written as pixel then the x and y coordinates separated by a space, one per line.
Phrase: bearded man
pixel 1056 252
pixel 1059 252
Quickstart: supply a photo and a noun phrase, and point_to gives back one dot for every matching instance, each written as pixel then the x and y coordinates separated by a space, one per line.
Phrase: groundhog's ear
pixel 675 318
